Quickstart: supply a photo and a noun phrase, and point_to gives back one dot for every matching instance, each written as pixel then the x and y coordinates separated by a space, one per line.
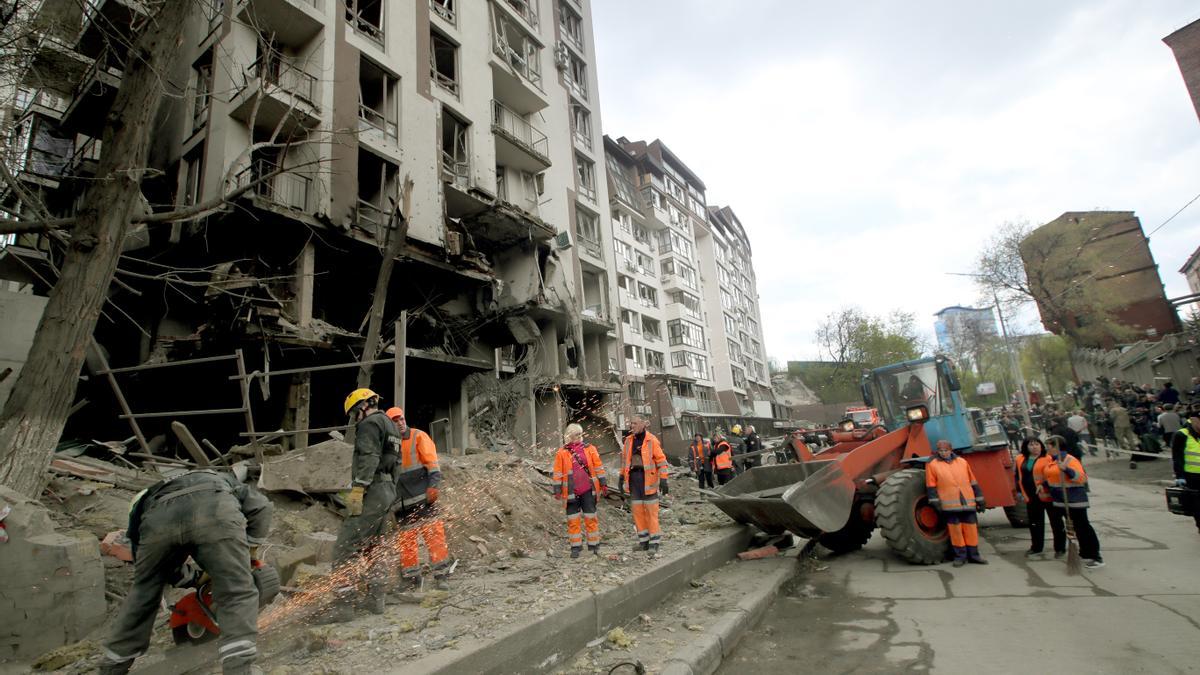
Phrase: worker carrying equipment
pixel 644 469
pixel 722 459
pixel 580 480
pixel 216 520
pixel 953 490
pixel 372 493
pixel 419 516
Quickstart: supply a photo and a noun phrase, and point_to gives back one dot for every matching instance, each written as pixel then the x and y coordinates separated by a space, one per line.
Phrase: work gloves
pixel 354 501
pixel 603 489
pixel 666 489
pixel 431 495
pixel 980 506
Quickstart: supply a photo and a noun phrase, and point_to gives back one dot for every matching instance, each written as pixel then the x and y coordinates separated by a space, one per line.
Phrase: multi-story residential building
pixel 1185 44
pixel 673 327
pixel 325 108
pixel 735 319
pixel 955 324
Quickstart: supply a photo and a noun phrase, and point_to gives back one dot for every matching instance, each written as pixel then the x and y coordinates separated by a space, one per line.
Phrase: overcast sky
pixel 871 147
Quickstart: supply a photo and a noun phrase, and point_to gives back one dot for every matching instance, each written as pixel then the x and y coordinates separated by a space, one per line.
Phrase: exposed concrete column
pixel 302 285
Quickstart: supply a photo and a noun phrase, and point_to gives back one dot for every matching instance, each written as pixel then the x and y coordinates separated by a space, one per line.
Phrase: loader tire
pixel 850 538
pixel 909 525
pixel 1017 514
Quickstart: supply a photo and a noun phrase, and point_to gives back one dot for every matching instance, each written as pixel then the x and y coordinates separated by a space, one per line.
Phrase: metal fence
pixel 1175 358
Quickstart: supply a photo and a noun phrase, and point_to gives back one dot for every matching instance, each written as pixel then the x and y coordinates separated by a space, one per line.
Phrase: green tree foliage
pixel 1046 363
pixel 853 341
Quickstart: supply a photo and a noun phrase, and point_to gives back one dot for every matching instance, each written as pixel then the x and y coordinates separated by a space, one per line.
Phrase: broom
pixel 1074 560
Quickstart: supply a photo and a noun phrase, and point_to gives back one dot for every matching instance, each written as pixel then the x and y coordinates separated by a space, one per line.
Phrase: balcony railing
pixel 518 130
pixel 586 190
pixel 443 8
pixel 455 171
pixel 372 118
pixel 46 99
pixel 286 76
pixel 285 189
pixel 89 151
pixel 525 10
pixel 370 217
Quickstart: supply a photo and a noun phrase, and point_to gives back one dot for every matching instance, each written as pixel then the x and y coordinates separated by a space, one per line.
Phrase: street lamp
pixel 1012 357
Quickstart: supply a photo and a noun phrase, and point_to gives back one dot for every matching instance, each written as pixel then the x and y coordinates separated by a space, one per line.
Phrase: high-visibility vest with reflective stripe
pixel 1191 453
pixel 418 468
pixel 723 459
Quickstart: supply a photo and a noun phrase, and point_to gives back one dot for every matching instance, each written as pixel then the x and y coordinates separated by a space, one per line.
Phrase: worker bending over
pixel 220 523
pixel 418 514
pixel 580 480
pixel 372 492
pixel 644 469
pixel 954 491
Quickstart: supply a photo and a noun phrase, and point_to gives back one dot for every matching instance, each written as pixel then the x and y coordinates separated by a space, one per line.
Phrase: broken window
pixel 526 9
pixel 443 62
pixel 685 333
pixel 731 325
pixel 739 377
pixel 644 263
pixel 632 320
pixel 634 353
pixel 651 328
pixel 696 364
pixel 624 222
pixel 378 192
pixel 378 99
pixel 691 303
pixel 648 295
pixel 637 392
pixel 585 177
pixel 519 188
pixel 587 225
pixel 576 76
pixel 443 8
pixel 456 164
pixel 366 17
pixel 581 124
pixel 570 24
pixel 193 171
pixel 516 47
pixel 655 361
pixel 202 77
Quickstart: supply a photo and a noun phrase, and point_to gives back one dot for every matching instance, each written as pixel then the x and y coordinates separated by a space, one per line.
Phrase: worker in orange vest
pixel 722 458
pixel 417 478
pixel 953 490
pixel 700 456
pixel 1065 480
pixel 581 481
pixel 644 469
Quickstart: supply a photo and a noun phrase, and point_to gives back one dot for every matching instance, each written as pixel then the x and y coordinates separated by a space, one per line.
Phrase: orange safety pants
pixel 425 522
pixel 645 509
pixel 583 508
pixel 964 529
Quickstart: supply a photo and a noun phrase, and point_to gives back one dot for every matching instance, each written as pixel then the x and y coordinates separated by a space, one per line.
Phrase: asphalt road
pixel 868 612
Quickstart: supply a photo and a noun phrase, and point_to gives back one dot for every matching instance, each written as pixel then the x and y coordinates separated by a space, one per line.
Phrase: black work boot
pixel 642 546
pixel 575 551
pixel 441 582
pixel 374 602
pixel 594 548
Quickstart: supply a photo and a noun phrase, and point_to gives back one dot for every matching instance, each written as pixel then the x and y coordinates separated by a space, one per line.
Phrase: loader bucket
pixel 807 498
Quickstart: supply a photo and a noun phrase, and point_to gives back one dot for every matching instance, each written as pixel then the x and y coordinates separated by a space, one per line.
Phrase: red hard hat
pixel 394 412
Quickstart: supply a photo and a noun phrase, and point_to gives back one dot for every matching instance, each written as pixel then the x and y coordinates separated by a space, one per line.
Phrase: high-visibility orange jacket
pixel 1067 484
pixel 700 455
pixel 565 465
pixel 653 460
pixel 418 470
pixel 952 483
pixel 723 456
pixel 1038 465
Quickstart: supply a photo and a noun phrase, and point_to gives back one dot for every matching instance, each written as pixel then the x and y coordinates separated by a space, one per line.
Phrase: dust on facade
pixel 547 272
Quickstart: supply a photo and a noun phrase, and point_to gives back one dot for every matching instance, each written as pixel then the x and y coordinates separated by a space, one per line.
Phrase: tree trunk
pixel 36 411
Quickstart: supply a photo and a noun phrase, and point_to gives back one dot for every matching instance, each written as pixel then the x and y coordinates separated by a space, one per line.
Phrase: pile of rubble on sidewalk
pixel 505 532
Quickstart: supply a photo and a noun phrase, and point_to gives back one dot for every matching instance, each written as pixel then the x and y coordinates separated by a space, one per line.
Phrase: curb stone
pixel 540 644
pixel 704 653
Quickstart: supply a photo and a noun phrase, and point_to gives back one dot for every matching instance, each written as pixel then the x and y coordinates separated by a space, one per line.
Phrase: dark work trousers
pixel 209 527
pixel 1037 527
pixel 1193 482
pixel 724 476
pixel 359 533
pixel 705 476
pixel 1089 543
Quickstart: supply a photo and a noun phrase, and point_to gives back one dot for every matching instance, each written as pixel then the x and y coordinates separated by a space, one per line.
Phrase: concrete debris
pixel 287 561
pixel 618 638
pixel 756 554
pixel 324 467
pixel 53 590
pixel 66 655
pixel 322 543
pixel 104 472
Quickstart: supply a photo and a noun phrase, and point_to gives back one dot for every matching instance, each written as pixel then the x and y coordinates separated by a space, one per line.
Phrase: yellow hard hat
pixel 356 397
pixel 737 429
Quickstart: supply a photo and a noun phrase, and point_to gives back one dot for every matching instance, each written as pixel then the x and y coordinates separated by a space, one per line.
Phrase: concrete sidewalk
pixel 541 643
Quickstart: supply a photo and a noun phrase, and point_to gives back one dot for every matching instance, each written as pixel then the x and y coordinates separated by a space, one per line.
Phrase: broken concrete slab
pixel 324 467
pixel 117 545
pixel 322 543
pixel 287 561
pixel 53 590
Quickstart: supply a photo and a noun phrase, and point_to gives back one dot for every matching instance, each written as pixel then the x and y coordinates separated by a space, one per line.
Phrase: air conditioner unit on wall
pixel 562 240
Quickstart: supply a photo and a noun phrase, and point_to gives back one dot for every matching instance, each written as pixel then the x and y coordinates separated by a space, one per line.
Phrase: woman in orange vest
pixel 953 490
pixel 644 469
pixel 700 454
pixel 1031 462
pixel 580 478
pixel 722 458
pixel 1064 480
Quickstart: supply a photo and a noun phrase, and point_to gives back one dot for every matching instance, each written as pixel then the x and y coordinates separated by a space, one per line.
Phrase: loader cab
pixel 929 381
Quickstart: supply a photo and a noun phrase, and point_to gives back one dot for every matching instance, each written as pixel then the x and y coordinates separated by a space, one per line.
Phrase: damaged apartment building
pixel 257 313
